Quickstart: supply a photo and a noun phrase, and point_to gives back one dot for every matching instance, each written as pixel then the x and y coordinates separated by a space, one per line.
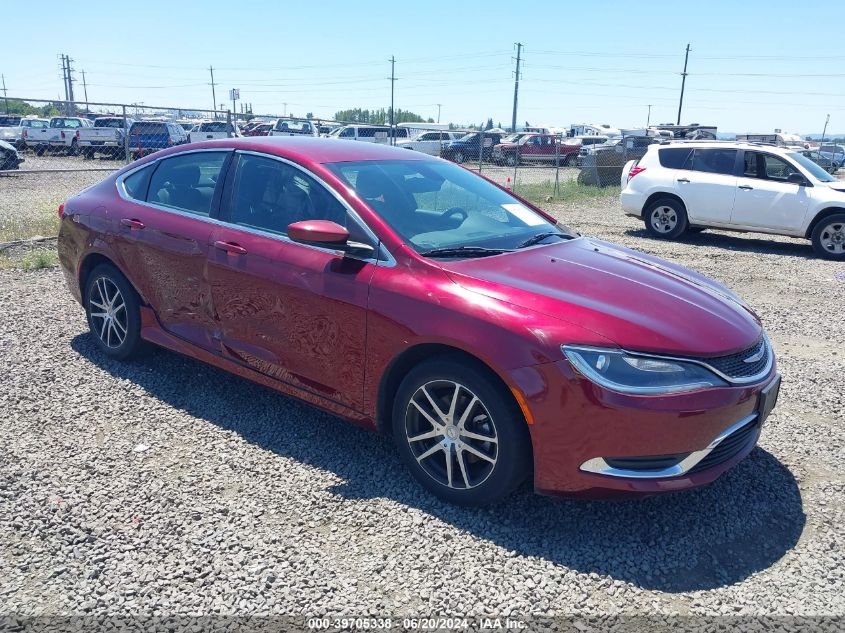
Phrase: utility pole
pixel 285 109
pixel 683 83
pixel 516 85
pixel 392 84
pixel 648 120
pixel 85 89
pixel 4 93
pixel 438 111
pixel 213 93
pixel 826 121
pixel 64 80
pixel 70 84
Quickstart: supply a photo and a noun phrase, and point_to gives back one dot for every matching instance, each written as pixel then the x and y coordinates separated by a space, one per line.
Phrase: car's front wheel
pixel 460 433
pixel 829 237
pixel 458 157
pixel 666 218
pixel 113 310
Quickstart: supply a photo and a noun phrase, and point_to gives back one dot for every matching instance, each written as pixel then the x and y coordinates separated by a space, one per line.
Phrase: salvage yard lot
pixel 166 486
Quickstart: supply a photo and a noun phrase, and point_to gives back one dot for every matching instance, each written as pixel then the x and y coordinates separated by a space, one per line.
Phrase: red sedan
pixel 413 297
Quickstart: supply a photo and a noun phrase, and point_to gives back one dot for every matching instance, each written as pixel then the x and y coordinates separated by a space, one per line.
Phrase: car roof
pixel 776 149
pixel 313 149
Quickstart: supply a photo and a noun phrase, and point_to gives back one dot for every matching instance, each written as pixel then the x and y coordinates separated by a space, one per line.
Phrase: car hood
pixel 838 186
pixel 637 301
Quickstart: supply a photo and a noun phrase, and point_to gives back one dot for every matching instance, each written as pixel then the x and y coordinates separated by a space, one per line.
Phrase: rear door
pixel 765 198
pixel 291 311
pixel 707 185
pixel 162 230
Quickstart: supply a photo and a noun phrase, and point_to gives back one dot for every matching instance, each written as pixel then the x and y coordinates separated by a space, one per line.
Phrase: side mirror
pixel 796 179
pixel 328 235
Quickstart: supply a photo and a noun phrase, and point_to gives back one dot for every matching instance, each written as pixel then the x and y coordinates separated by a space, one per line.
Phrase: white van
pixel 369 133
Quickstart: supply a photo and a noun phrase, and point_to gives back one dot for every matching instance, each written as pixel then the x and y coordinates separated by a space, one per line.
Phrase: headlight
pixel 639 374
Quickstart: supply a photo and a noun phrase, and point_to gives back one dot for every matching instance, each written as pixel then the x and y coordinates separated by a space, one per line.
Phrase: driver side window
pixel 269 194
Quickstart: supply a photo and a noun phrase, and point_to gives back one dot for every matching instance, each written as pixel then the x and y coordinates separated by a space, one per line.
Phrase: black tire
pixel 511 160
pixel 828 237
pixel 39 150
pixel 73 150
pixel 88 154
pixel 566 160
pixel 666 218
pixel 458 157
pixel 476 481
pixel 103 280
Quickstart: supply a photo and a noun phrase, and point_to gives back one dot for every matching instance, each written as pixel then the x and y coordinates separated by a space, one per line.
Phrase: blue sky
pixel 753 65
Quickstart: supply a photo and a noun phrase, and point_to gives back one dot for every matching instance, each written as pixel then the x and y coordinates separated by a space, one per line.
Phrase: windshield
pixel 433 205
pixel 467 137
pixel 10 121
pixel 816 170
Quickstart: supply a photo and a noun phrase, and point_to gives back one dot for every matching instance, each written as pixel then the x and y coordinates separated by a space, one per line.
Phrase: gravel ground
pixel 168 487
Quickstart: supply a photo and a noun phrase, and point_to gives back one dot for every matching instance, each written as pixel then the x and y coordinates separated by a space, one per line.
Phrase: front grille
pixel 732 445
pixel 734 365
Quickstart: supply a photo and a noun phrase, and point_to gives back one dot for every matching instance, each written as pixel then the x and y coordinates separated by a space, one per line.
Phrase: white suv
pixel 690 186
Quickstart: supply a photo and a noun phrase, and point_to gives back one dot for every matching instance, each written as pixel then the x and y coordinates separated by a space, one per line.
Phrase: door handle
pixel 230 247
pixel 132 223
pixel 746 187
pixel 683 179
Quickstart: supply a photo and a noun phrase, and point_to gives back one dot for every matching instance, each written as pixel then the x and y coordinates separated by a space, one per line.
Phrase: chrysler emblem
pixel 755 356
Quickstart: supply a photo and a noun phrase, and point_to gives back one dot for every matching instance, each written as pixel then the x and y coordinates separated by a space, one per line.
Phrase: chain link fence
pixel 54 149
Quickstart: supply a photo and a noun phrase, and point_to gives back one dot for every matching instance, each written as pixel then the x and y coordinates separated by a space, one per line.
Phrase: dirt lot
pixel 167 487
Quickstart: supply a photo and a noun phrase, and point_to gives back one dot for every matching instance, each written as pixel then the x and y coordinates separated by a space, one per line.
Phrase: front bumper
pixel 585 437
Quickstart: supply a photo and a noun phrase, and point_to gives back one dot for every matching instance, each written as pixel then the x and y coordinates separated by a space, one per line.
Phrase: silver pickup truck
pixel 107 136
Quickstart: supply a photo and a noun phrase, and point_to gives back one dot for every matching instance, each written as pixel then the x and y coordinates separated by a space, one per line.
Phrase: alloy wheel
pixel 664 219
pixel 109 319
pixel 451 434
pixel 832 238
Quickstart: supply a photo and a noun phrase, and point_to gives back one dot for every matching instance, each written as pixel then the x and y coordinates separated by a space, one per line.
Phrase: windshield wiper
pixel 464 251
pixel 536 239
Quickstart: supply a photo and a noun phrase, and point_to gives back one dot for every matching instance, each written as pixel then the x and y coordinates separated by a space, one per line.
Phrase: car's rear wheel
pixel 459 433
pixel 113 310
pixel 829 237
pixel 510 159
pixel 73 150
pixel 666 218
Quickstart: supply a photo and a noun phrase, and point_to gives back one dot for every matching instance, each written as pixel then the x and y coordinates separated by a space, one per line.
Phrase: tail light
pixel 26 134
pixel 61 210
pixel 63 135
pixel 636 169
pixel 77 135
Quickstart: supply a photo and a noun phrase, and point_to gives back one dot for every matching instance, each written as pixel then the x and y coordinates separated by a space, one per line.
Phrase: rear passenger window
pixel 136 184
pixel 187 181
pixel 675 157
pixel 714 161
